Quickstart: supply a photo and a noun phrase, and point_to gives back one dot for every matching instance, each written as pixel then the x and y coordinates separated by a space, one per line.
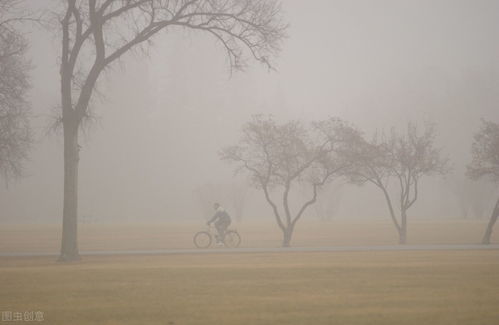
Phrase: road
pixel 268 250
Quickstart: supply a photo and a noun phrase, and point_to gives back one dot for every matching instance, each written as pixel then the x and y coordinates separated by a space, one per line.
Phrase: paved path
pixel 269 250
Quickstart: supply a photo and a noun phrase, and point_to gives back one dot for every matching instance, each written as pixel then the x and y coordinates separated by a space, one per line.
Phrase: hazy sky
pixel 165 116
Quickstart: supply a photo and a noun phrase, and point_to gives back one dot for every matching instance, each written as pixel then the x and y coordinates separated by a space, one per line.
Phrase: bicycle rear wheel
pixel 202 239
pixel 232 239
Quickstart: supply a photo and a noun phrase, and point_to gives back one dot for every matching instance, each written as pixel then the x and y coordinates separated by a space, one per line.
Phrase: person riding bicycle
pixel 222 221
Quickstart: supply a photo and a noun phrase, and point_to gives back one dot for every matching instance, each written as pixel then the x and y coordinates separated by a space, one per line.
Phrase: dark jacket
pixel 221 215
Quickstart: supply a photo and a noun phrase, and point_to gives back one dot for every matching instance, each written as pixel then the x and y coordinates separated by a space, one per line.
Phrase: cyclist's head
pixel 216 205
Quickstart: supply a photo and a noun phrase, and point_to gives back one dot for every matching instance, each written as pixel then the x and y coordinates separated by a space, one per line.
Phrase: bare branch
pixel 15 132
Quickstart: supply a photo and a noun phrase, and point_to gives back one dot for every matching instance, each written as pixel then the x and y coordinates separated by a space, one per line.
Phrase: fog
pixel 163 116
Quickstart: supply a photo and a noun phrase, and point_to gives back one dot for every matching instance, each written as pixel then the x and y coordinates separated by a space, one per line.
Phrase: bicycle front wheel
pixel 202 239
pixel 232 239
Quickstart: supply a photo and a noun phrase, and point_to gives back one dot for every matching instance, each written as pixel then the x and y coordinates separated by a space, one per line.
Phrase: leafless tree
pixel 96 33
pixel 485 163
pixel 15 134
pixel 404 159
pixel 278 156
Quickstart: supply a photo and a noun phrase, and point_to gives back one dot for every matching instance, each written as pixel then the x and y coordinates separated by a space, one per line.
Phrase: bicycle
pixel 204 238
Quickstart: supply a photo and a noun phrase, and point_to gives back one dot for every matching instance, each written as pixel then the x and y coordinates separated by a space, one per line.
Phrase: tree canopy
pixel 15 134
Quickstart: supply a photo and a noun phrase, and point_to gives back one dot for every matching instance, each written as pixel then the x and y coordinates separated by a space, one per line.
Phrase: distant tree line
pixel 280 156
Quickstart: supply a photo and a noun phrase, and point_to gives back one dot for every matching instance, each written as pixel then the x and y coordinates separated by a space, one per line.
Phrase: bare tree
pixel 96 33
pixel 15 134
pixel 485 163
pixel 278 156
pixel 404 159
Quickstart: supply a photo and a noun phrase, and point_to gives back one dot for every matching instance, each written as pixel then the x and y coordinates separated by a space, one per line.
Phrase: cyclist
pixel 222 221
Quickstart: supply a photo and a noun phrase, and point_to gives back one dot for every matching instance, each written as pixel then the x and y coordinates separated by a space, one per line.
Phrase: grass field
pixel 46 238
pixel 444 287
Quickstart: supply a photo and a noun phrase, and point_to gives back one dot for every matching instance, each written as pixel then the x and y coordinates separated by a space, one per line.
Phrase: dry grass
pixel 457 287
pixel 46 238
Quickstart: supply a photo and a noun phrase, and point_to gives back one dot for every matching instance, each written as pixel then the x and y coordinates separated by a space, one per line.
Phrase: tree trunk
pixel 69 245
pixel 287 235
pixel 392 214
pixel 403 229
pixel 490 226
